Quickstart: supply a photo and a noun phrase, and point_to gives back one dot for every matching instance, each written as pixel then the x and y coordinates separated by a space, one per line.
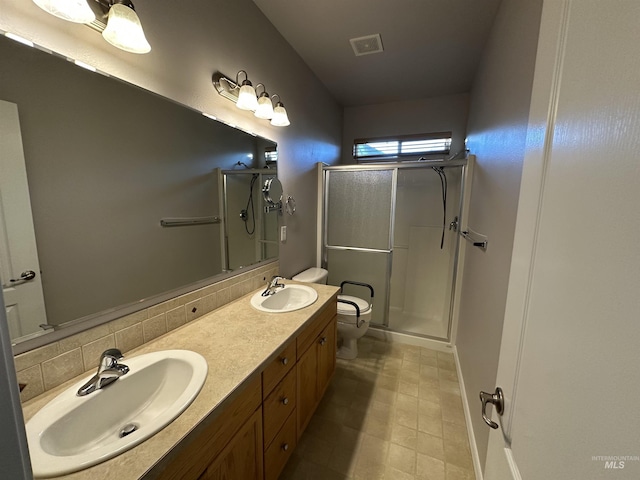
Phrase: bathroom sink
pixel 291 297
pixel 71 433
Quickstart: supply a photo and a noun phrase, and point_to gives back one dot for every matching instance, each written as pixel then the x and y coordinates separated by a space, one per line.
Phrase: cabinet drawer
pixel 278 368
pixel 276 456
pixel 278 406
pixel 308 336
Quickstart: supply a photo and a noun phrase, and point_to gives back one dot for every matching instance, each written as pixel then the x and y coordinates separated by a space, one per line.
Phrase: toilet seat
pixel 347 312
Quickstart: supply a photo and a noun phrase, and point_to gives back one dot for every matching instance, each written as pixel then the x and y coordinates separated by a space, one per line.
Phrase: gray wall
pixel 497 129
pixel 437 114
pixel 191 42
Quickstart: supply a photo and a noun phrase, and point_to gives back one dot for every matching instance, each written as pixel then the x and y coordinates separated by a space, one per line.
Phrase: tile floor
pixel 394 413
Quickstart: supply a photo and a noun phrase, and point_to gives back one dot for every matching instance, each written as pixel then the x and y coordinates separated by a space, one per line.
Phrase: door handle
pixel 497 399
pixel 24 277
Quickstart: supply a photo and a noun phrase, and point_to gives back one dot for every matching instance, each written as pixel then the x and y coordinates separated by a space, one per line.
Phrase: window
pixel 270 155
pixel 405 147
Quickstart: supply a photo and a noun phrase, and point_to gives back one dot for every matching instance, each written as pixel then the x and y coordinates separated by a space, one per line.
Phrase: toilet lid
pixel 346 309
pixel 310 275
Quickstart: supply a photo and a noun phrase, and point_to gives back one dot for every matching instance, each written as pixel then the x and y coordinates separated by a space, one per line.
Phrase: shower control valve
pixel 244 215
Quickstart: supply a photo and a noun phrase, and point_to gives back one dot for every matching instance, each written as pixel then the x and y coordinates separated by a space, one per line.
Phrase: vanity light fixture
pixel 280 118
pixel 76 11
pixel 247 99
pixel 124 29
pixel 265 107
pixel 247 95
pixel 115 19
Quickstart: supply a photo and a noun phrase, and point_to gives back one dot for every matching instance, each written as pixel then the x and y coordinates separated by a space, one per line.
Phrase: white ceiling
pixel 431 47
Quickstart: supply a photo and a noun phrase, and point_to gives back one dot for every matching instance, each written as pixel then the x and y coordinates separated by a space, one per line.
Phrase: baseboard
pixel 467 416
pixel 390 336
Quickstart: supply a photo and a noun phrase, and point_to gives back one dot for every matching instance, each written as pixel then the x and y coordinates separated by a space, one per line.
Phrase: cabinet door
pixel 326 357
pixel 307 386
pixel 242 458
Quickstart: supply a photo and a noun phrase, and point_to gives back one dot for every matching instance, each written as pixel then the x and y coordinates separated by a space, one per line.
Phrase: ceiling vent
pixel 366 45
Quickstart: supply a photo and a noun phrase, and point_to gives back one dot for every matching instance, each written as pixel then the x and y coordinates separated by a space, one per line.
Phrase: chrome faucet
pixel 109 370
pixel 272 286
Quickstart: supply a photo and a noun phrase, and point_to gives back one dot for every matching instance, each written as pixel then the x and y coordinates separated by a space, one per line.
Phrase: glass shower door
pixel 359 232
pixel 425 251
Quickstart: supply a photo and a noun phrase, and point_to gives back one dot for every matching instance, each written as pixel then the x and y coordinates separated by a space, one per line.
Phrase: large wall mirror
pixel 131 195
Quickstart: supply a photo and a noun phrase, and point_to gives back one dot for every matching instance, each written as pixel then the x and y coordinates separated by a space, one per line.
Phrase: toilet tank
pixel 312 275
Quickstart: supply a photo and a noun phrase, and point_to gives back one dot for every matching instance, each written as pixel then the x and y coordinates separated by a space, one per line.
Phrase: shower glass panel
pixel 250 232
pixel 423 272
pixel 359 208
pixel 359 205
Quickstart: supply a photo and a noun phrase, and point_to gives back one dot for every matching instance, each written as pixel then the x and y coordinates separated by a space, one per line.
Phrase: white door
pixel 24 300
pixel 570 355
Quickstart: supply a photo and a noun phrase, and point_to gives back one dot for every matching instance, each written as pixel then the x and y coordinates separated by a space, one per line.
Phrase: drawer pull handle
pixel 284 361
pixel 285 447
pixel 323 340
pixel 285 401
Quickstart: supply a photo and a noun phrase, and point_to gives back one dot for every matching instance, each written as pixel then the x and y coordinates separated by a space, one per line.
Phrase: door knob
pixel 497 399
pixel 24 277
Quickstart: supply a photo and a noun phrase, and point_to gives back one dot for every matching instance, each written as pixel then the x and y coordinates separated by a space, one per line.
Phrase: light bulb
pixel 265 107
pixel 247 97
pixel 77 11
pixel 124 30
pixel 280 117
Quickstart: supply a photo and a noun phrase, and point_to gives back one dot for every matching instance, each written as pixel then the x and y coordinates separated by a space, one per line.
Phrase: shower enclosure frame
pixel 324 247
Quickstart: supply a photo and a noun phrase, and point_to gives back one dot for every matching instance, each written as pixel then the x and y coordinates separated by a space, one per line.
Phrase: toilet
pixel 350 326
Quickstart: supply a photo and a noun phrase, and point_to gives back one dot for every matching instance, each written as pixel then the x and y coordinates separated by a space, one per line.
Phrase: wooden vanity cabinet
pixel 279 406
pixel 242 457
pixel 316 363
pixel 298 389
pixel 254 436
pixel 230 447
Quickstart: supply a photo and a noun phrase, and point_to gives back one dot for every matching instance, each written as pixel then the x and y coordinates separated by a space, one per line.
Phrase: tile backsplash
pixel 47 367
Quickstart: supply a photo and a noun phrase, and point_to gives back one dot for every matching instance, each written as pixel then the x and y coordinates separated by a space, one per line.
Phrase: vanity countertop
pixel 236 340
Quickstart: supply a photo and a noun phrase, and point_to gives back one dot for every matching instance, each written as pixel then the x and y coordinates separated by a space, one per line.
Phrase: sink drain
pixel 128 429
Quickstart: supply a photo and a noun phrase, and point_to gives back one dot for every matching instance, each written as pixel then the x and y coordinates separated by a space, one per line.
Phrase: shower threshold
pixel 409 338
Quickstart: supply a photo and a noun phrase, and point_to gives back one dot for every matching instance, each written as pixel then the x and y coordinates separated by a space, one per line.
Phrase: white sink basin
pixel 291 297
pixel 71 433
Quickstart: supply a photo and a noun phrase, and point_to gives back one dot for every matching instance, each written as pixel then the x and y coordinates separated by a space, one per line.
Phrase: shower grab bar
pixel 357 249
pixel 181 222
pixel 476 239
